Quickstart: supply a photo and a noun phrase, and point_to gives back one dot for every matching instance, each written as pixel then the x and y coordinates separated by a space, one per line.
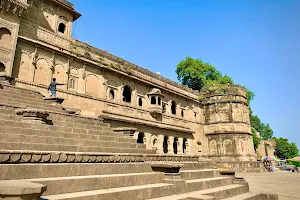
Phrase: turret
pixel 227 123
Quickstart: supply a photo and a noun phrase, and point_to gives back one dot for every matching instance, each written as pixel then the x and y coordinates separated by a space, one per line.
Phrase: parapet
pixel 223 93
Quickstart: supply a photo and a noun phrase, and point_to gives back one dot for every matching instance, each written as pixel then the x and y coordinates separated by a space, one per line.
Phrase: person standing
pixel 52 87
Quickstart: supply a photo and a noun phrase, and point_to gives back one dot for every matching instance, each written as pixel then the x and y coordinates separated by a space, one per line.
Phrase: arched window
pixel 153 100
pixel 111 94
pixel 61 27
pixel 2 67
pixel 175 148
pixel 165 144
pixel 127 94
pixel 5 37
pixel 173 107
pixel 184 145
pixel 140 102
pixel 182 113
pixel 140 139
pixel 159 101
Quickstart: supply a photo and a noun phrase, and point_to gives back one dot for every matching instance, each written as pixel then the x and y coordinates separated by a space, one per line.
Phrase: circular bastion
pixel 227 123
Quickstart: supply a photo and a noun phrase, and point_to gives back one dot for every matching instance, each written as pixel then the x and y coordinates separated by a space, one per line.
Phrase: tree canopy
pixel 196 74
pixel 285 150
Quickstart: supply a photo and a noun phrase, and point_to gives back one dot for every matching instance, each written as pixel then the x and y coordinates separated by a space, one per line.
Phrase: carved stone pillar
pixel 180 146
pixel 187 144
pixel 81 81
pixel 170 145
pixel 160 148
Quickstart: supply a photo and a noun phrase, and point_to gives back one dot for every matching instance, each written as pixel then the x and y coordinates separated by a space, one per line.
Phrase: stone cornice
pixel 69 6
pixel 17 7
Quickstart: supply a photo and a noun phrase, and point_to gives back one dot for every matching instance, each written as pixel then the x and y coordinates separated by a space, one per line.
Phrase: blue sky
pixel 255 42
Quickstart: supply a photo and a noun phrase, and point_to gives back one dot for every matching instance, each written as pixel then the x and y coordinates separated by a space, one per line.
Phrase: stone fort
pixel 149 114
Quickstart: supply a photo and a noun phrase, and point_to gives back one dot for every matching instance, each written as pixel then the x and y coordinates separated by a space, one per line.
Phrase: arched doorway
pixel 184 145
pixel 175 147
pixel 127 94
pixel 140 139
pixel 165 144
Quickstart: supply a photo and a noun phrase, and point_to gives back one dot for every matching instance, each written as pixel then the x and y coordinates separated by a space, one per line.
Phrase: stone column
pixel 170 145
pixel 160 148
pixel 180 146
pixel 119 95
pixel 187 144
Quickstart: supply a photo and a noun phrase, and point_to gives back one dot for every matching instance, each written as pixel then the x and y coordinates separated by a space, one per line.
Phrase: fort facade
pixel 37 45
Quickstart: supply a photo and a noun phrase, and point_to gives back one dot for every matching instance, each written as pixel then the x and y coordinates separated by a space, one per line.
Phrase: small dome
pixel 155 91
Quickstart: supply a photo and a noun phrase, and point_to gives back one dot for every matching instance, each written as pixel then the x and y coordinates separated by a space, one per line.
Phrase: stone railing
pixel 15 156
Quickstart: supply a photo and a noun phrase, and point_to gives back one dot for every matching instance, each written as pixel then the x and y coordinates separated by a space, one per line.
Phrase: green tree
pixel 284 149
pixel 256 139
pixel 267 132
pixel 256 123
pixel 196 74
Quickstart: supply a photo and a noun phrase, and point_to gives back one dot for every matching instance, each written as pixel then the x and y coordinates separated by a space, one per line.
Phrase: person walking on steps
pixel 52 87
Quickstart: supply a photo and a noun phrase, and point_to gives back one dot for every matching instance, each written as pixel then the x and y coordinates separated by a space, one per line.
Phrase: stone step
pixel 9 114
pixel 63 118
pixel 36 139
pixel 49 170
pixel 254 196
pixel 25 92
pixel 140 192
pixel 209 194
pixel 195 166
pixel 18 127
pixel 31 103
pixel 57 185
pixel 199 174
pixel 22 104
pixel 69 148
pixel 206 183
pixel 226 191
pixel 18 95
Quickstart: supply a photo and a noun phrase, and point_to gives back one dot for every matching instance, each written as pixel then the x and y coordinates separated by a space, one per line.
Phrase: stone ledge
pixel 21 190
pixel 54 100
pixel 27 156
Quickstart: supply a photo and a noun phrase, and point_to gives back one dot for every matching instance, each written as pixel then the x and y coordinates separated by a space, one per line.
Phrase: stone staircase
pixel 80 158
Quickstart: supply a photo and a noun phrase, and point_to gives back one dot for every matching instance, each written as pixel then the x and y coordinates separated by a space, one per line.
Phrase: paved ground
pixel 285 184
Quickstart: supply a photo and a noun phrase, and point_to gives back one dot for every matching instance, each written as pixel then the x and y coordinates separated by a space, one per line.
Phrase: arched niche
pixel 127 94
pixel 92 85
pixel 25 67
pixel 59 74
pixel 173 107
pixel 41 72
pixel 140 139
pixel 5 37
pixel 2 67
